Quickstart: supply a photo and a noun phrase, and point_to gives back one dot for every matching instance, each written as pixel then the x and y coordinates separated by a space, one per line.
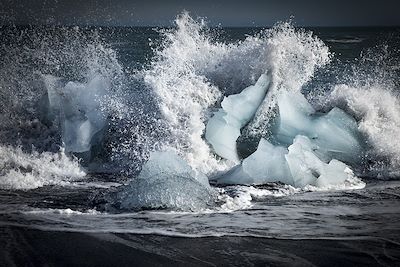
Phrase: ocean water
pixel 161 85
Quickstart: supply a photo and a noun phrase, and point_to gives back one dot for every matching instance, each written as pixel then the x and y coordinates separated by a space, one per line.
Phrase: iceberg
pixel 223 129
pixel 335 133
pixel 308 169
pixel 166 181
pixel 299 165
pixel 78 106
pixel 304 165
pixel 308 148
pixel 266 164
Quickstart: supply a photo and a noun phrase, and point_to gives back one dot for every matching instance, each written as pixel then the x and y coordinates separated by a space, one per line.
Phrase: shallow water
pixel 276 212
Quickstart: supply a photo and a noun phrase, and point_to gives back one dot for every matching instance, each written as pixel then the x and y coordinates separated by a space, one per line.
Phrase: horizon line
pixel 209 26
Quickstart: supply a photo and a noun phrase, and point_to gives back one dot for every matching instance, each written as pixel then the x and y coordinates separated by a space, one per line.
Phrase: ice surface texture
pixel 298 166
pixel 309 145
pixel 335 133
pixel 308 169
pixel 237 110
pixel 266 164
pixel 166 181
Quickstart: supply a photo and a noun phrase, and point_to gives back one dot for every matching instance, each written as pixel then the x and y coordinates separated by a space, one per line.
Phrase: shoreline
pixel 21 246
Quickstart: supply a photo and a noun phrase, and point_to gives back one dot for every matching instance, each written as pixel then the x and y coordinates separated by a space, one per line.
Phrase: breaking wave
pixel 191 72
pixel 19 170
pixel 66 87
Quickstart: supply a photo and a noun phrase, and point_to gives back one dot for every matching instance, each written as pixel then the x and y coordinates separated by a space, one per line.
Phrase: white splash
pixel 191 72
pixel 19 170
pixel 378 111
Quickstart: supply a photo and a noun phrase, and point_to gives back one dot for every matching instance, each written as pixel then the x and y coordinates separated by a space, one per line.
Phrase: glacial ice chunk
pixel 79 108
pixel 294 117
pixel 298 165
pixel 308 169
pixel 166 181
pixel 266 164
pixel 338 136
pixel 336 172
pixel 335 133
pixel 304 165
pixel 222 133
pixel 223 128
pixel 243 106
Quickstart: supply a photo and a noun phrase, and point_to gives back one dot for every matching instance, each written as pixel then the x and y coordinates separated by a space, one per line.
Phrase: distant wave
pixel 350 40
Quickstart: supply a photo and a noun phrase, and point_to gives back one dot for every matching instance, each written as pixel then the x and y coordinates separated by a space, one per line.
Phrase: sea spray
pixel 191 71
pixel 19 170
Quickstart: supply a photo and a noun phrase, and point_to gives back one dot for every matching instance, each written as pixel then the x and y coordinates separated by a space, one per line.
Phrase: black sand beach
pixel 31 247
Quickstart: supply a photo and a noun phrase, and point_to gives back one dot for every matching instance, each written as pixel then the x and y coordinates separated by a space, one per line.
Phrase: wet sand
pixel 30 247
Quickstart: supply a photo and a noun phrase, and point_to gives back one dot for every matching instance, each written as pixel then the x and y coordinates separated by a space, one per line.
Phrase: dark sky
pixel 225 13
